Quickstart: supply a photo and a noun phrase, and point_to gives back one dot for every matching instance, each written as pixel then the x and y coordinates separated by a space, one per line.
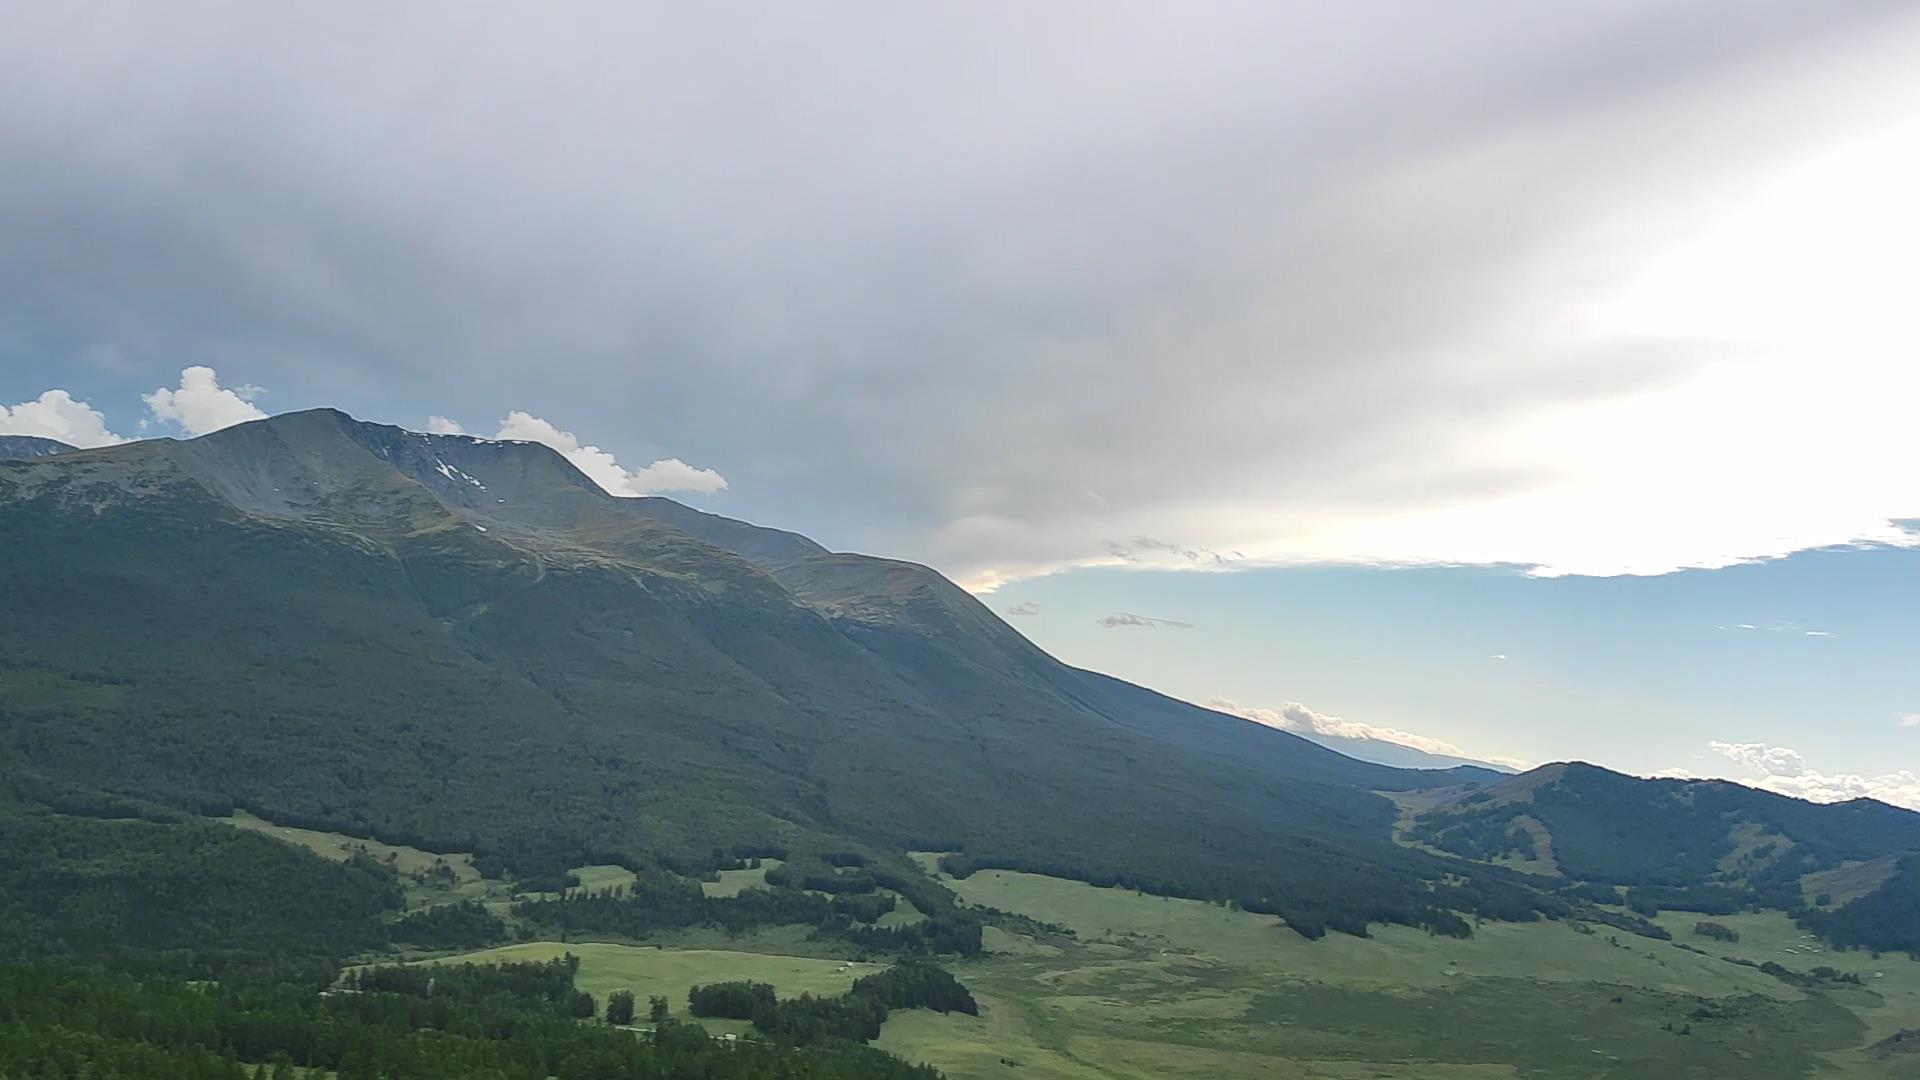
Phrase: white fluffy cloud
pixel 1295 717
pixel 672 474
pixel 1784 771
pixel 200 404
pixel 440 425
pixel 600 466
pixel 56 415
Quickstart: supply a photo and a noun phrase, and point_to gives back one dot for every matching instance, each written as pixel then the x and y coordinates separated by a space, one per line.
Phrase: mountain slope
pixel 466 644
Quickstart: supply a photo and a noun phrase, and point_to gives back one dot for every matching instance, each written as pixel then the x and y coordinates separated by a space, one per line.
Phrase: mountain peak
pixel 28 447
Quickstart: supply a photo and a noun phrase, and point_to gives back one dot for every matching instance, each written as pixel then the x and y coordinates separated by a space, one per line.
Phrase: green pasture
pixel 670 973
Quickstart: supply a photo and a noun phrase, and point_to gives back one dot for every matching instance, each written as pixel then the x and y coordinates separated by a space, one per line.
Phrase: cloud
pixel 1146 550
pixel 1910 720
pixel 1295 717
pixel 56 415
pixel 1785 771
pixel 672 474
pixel 1022 610
pixel 1141 255
pixel 668 474
pixel 1780 628
pixel 1125 619
pixel 1499 656
pixel 1761 758
pixel 200 404
pixel 440 425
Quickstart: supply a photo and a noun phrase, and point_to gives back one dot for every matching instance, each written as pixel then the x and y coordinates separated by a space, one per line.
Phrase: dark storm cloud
pixel 984 285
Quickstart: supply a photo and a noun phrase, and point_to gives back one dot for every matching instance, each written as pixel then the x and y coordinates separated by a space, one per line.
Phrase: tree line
pixel 59 1021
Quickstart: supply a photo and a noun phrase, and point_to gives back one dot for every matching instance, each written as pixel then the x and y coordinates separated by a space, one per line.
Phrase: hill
pixel 1696 845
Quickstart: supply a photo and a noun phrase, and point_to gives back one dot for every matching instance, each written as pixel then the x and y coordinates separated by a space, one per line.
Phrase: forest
pixel 60 1022
pixel 192 896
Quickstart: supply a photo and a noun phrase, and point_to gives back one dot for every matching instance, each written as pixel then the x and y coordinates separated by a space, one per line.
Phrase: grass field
pixel 670 973
pixel 1889 996
pixel 732 881
pixel 595 878
pixel 903 914
pixel 1155 987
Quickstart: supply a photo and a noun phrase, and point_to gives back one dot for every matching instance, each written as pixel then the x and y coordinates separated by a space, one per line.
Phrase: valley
pixel 1113 983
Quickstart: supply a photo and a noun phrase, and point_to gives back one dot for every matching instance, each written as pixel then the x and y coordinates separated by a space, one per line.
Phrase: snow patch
pixel 453 473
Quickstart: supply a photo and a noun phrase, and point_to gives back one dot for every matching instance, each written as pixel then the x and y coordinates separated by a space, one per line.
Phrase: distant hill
pixel 1381 752
pixel 23 447
pixel 1698 844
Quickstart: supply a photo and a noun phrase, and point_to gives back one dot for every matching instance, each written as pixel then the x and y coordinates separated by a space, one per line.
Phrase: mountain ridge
pixel 27 447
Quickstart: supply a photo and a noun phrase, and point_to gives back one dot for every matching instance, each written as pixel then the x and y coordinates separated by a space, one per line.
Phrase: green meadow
pixel 732 881
pixel 1147 987
pixel 1153 987
pixel 1887 999
pixel 670 973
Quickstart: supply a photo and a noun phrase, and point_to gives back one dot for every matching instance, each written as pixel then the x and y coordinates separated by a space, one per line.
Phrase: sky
pixel 1532 380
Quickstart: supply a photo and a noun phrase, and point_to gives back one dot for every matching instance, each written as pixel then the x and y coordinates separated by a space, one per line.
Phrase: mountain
pixel 467 645
pixel 23 447
pixel 1381 752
